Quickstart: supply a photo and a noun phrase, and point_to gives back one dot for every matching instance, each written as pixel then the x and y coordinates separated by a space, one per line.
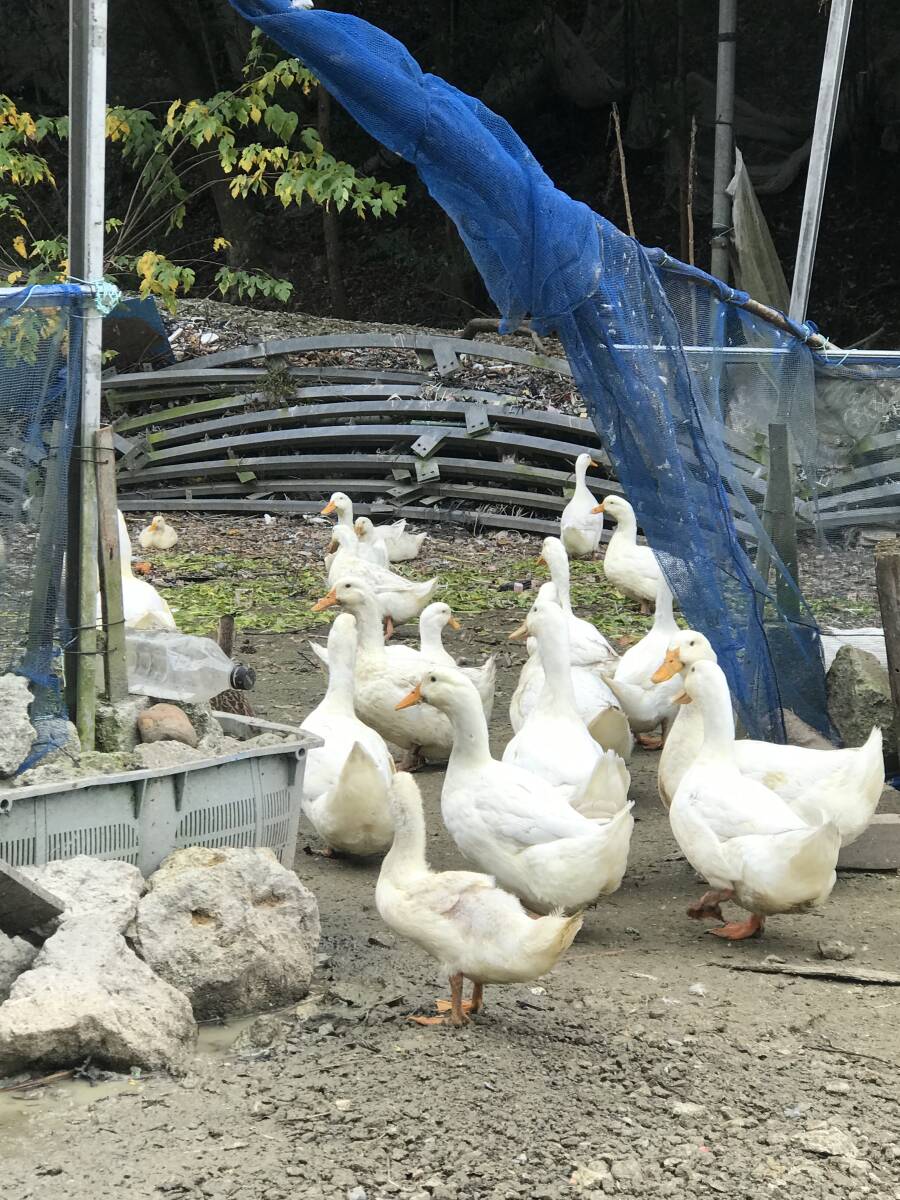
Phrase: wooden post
pixel 44 595
pixel 779 520
pixel 110 570
pixel 887 577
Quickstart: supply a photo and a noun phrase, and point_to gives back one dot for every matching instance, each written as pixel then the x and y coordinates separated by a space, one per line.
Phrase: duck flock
pixel 547 826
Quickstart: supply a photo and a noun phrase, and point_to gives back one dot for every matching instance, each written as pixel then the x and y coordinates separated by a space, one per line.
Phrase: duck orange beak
pixel 599 508
pixel 333 546
pixel 542 562
pixel 594 463
pixel 454 624
pixel 330 507
pixel 671 665
pixel 357 527
pixel 326 601
pixel 414 697
pixel 684 698
pixel 519 634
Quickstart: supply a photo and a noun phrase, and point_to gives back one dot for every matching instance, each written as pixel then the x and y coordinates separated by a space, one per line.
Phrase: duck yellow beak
pixel 671 665
pixel 519 634
pixel 454 624
pixel 594 463
pixel 326 601
pixel 357 526
pixel 414 697
pixel 684 698
pixel 330 507
pixel 333 546
pixel 542 562
pixel 599 508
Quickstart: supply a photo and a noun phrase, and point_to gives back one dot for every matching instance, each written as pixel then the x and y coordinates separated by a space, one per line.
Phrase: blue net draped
pixel 40 347
pixel 624 315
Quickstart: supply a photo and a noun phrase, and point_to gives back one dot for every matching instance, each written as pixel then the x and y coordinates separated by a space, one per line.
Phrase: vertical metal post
pixel 723 168
pixel 820 152
pixel 87 150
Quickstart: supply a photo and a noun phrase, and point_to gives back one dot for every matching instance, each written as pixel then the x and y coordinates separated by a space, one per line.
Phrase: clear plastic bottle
pixel 178 666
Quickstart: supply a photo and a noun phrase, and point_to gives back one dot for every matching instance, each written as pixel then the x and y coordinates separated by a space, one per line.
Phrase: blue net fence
pixel 625 316
pixel 40 348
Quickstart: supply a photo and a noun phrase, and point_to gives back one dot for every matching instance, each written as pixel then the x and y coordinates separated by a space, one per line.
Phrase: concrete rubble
pixel 859 696
pixel 87 994
pixel 17 734
pixel 231 928
pixel 16 956
pixel 107 888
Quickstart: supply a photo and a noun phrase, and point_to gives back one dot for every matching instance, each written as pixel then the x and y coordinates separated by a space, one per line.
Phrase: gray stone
pixel 17 734
pixel 16 956
pixel 589 1176
pixel 859 695
pixel 166 723
pixel 686 1108
pixel 828 1140
pixel 232 929
pixel 117 724
pixel 88 994
pixel 835 950
pixel 24 904
pixel 105 888
pixel 266 1031
pixel 627 1170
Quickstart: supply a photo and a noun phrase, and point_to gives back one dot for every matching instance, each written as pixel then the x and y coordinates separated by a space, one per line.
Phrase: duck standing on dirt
pixel 473 928
pixel 748 844
pixel 631 568
pixel 580 528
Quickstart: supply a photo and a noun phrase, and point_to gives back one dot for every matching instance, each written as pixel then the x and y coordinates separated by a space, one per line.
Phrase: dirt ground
pixel 643 1066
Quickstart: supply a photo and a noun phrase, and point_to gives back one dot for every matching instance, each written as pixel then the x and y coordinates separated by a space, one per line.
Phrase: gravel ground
pixel 643 1066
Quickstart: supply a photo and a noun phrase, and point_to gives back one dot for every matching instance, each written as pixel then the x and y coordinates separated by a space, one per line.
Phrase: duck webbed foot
pixel 707 907
pixel 737 931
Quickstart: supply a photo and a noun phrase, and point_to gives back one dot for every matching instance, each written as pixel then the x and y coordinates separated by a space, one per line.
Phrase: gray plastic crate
pixel 248 798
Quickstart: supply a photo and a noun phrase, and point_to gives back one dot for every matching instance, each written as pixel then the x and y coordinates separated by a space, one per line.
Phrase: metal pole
pixel 724 161
pixel 819 154
pixel 87 151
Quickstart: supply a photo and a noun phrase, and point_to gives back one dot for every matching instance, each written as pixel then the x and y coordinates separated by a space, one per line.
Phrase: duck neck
pixel 345 516
pixel 626 528
pixel 369 630
pixel 557 695
pixel 406 857
pixel 664 617
pixel 718 724
pixel 559 573
pixel 430 640
pixel 471 745
pixel 338 697
pixel 581 469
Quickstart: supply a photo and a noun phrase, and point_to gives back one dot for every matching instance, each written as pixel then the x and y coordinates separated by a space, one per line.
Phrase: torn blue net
pixel 624 315
pixel 40 348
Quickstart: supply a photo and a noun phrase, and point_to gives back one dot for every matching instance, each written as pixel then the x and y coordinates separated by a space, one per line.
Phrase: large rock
pixel 117 724
pixel 859 696
pixel 166 723
pixel 88 994
pixel 232 929
pixel 106 888
pixel 17 734
pixel 16 956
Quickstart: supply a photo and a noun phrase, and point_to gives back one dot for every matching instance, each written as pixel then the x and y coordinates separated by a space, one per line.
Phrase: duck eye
pixel 432 679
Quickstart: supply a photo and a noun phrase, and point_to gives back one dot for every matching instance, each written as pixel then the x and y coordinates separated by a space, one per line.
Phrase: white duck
pixel 473 928
pixel 845 785
pixel 587 645
pixel 371 546
pixel 739 835
pixel 597 706
pixel 580 527
pixel 143 606
pixel 401 546
pixel 158 535
pixel 513 824
pixel 554 741
pixel 647 705
pixel 346 781
pixel 631 568
pixel 425 733
pixel 400 599
pixel 431 624
pixel 434 619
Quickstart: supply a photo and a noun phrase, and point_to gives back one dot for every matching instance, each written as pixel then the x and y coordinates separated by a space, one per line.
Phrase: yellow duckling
pixel 158 535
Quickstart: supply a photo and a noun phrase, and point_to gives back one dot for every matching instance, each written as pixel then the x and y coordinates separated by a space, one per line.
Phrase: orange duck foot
pixel 737 931
pixel 708 905
pixel 650 741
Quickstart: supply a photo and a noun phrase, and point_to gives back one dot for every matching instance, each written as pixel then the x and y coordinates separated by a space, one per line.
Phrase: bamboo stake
pixel 887 577
pixel 617 124
pixel 110 570
pixel 692 166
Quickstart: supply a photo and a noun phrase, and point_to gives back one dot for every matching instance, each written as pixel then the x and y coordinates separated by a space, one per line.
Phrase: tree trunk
pixel 330 225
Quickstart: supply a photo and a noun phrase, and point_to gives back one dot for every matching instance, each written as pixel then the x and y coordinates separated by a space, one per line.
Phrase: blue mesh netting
pixel 624 315
pixel 40 345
